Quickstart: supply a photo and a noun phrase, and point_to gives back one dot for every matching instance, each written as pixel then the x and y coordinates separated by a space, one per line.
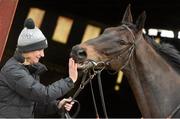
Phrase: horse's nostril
pixel 78 53
pixel 81 54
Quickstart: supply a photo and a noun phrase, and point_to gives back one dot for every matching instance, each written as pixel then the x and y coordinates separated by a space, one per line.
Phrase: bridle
pixel 97 68
pixel 97 71
pixel 130 50
pixel 87 78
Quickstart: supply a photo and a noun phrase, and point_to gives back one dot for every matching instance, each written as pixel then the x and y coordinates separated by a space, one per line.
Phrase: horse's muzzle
pixel 78 54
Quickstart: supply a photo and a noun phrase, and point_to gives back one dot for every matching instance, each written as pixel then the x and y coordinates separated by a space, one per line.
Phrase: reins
pixel 96 70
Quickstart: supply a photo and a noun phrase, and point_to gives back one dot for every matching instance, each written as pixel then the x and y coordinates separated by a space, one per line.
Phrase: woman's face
pixel 33 57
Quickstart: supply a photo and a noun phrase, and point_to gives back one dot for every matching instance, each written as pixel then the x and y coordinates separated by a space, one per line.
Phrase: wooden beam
pixel 7 11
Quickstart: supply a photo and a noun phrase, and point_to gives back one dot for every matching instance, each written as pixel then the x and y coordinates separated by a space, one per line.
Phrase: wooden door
pixel 7 11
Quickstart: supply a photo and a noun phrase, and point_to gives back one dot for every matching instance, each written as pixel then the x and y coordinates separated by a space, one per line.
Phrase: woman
pixel 20 87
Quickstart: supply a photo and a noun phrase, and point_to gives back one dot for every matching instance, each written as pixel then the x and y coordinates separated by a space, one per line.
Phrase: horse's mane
pixel 167 51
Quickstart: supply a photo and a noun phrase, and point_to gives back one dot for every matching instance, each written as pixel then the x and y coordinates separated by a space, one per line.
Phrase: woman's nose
pixel 42 53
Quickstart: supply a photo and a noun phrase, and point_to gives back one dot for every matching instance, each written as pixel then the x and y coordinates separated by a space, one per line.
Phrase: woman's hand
pixel 66 104
pixel 73 73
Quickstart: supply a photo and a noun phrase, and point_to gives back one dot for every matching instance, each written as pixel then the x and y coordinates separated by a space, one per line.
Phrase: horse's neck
pixel 154 82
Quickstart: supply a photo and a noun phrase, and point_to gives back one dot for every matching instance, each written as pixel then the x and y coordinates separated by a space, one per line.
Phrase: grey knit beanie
pixel 31 38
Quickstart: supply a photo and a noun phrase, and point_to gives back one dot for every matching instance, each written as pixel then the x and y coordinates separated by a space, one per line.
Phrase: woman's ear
pixel 18 56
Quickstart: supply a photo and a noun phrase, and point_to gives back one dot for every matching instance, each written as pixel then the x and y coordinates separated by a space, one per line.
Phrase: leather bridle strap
pixel 102 95
pixel 94 100
pixel 134 44
pixel 84 82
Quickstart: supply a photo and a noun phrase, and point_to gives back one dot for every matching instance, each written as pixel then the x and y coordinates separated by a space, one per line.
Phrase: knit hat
pixel 31 38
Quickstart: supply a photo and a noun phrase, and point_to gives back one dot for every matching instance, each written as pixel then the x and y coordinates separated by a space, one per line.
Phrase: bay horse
pixel 153 70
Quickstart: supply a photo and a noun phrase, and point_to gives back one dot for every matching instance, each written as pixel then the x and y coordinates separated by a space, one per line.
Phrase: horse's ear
pixel 141 21
pixel 127 18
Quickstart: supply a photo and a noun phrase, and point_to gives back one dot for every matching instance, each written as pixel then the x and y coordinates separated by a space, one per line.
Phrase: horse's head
pixel 114 47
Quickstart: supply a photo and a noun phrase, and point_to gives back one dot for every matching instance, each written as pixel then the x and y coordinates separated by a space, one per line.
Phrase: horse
pixel 153 70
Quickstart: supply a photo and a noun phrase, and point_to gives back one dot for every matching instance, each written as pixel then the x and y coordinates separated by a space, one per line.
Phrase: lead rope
pixel 81 87
pixel 84 83
pixel 102 95
pixel 98 72
pixel 94 101
pixel 66 114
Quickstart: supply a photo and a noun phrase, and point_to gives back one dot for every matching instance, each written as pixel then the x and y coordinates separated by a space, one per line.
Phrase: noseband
pixel 99 66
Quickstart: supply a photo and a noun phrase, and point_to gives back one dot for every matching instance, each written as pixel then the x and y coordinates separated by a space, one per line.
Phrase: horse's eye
pixel 122 42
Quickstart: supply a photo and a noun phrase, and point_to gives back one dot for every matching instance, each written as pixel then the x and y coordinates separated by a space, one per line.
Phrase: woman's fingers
pixel 69 105
pixel 73 73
